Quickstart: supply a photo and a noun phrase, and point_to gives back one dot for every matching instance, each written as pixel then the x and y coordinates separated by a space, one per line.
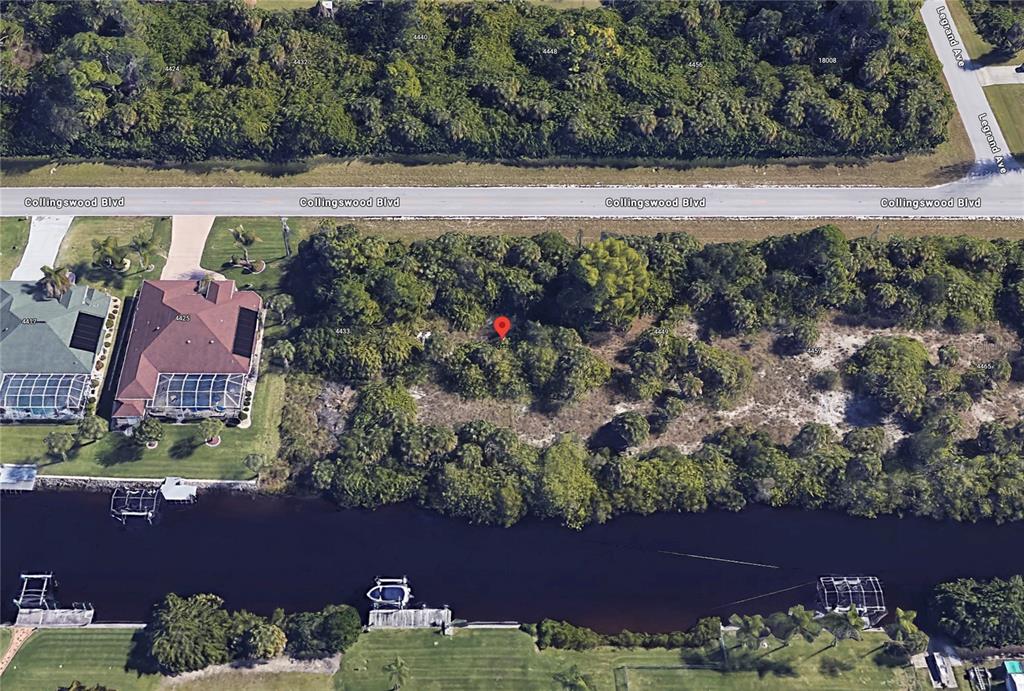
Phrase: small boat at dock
pixel 390 593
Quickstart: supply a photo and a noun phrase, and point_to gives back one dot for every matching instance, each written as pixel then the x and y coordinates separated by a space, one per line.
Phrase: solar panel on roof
pixel 86 335
pixel 245 332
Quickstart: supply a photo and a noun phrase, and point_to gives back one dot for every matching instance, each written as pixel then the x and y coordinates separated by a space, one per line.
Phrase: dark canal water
pixel 263 552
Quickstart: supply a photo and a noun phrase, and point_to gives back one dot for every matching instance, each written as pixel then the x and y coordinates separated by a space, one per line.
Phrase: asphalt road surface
pixel 976 197
pixel 993 189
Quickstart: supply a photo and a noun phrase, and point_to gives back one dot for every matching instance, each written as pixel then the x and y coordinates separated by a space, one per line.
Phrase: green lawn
pixel 977 48
pixel 477 659
pixel 116 456
pixel 76 250
pixel 221 246
pixel 13 238
pixel 800 668
pixel 509 660
pixel 53 658
pixel 5 639
pixel 481 660
pixel 1007 101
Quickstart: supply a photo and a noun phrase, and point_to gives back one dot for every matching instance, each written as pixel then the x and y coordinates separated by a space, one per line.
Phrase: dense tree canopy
pixel 979 614
pixel 361 302
pixel 714 79
pixel 1000 22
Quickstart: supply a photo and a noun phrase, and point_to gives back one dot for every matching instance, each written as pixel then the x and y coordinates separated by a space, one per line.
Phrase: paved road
pixel 994 189
pixel 987 140
pixel 985 196
pixel 45 233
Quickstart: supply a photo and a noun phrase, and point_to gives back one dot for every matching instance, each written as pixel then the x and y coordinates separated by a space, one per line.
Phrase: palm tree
pixel 750 631
pixel 398 673
pixel 108 254
pixel 844 625
pixel 803 624
pixel 55 281
pixel 905 631
pixel 245 239
pixel 283 351
pixel 143 246
pixel 572 679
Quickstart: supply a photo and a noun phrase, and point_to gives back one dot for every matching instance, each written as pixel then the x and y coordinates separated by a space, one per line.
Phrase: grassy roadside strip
pixel 1007 101
pixel 13 238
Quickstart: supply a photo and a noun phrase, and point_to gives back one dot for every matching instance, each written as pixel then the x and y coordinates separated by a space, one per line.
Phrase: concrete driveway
pixel 1002 74
pixel 45 234
pixel 188 238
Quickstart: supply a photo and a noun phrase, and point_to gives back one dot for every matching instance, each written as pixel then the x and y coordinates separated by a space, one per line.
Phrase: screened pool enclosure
pixel 42 396
pixel 195 395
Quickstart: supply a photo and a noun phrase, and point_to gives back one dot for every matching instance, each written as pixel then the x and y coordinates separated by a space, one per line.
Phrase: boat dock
pixel 17 477
pixel 418 618
pixel 38 609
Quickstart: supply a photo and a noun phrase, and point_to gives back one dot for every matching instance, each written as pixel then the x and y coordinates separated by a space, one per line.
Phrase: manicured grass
pixel 471 659
pixel 76 250
pixel 801 669
pixel 1007 101
pixel 474 659
pixel 117 456
pixel 978 48
pixel 221 246
pixel 53 658
pixel 13 238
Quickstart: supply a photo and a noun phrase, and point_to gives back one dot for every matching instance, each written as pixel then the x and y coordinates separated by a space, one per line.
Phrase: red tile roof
pixel 176 329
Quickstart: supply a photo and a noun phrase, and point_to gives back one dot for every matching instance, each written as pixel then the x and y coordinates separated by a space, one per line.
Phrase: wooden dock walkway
pixel 54 618
pixel 410 619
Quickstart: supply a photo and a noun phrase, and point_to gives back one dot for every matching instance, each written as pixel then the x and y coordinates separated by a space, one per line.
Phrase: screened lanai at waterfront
pixel 42 396
pixel 195 394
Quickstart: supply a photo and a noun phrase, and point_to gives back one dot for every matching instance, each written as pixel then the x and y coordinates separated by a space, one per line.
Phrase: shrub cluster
pixel 663 364
pixel 565 636
pixel 186 634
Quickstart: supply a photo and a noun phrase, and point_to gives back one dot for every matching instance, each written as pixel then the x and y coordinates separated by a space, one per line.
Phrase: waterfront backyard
pixel 471 659
pixel 179 452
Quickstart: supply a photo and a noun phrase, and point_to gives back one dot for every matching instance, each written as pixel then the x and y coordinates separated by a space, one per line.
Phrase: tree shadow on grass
pixel 183 448
pixel 123 450
pixel 139 658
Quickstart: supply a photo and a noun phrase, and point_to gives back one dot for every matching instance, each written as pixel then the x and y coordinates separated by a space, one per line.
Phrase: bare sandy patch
pixel 780 399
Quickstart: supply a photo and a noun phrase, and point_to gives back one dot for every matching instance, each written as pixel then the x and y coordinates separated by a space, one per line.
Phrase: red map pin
pixel 501 326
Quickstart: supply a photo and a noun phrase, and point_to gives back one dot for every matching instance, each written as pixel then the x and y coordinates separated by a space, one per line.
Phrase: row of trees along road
pixel 192 81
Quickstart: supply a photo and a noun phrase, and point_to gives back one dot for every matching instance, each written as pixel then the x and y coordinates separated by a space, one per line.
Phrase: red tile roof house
pixel 192 352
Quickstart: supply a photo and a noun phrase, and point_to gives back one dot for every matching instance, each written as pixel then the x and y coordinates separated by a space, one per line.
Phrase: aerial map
pixel 501 345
